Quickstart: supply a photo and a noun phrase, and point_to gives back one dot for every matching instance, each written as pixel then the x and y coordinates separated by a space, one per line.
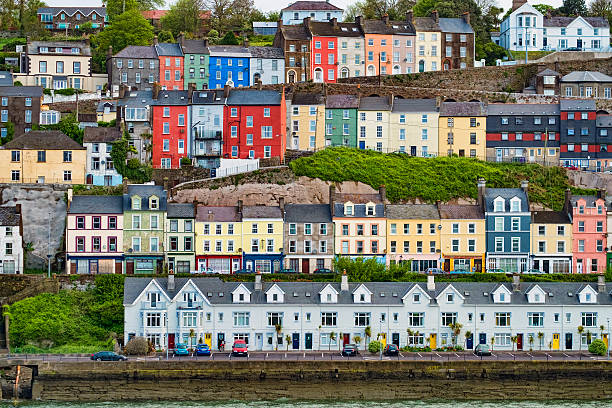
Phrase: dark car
pixel 323 270
pixel 240 348
pixel 202 350
pixel 107 356
pixel 243 271
pixel 287 270
pixel 349 350
pixel 482 350
pixel 391 350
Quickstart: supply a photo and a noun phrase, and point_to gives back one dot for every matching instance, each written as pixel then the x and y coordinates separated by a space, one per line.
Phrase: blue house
pixel 508 223
pixel 229 65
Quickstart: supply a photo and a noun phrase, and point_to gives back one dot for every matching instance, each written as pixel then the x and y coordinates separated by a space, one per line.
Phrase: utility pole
pixel 49 248
pixel 379 78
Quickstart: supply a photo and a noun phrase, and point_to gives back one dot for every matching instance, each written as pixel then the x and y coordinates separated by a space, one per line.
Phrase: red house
pixel 324 50
pixel 171 68
pixel 254 124
pixel 170 129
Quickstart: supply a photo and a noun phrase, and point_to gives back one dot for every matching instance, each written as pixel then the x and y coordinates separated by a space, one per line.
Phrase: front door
pixel 383 339
pixel 296 341
pixel 259 341
pixel 362 144
pixel 519 341
pixel 305 265
pixel 579 43
pixel 477 265
pixel 220 339
pixel 170 341
pixel 208 339
pixel 296 142
pixel 308 341
pixel 129 267
pixel 395 339
pixel 235 264
pixel 568 341
pixel 482 338
pixel 413 151
pixel 432 341
pixel 447 265
pixel 346 338
pixel 555 342
pixel 499 155
pixel 605 339
pixel 470 342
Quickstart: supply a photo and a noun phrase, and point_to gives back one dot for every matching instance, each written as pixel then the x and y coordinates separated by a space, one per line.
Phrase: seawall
pixel 371 380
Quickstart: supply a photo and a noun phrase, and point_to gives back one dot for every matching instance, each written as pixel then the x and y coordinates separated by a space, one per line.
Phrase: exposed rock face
pixel 587 179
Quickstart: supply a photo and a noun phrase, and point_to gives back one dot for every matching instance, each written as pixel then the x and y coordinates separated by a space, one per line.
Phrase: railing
pixel 209 134
pixel 207 152
pixel 151 305
pixel 190 305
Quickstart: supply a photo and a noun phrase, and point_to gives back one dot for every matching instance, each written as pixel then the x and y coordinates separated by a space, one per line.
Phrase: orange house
pixel 378 45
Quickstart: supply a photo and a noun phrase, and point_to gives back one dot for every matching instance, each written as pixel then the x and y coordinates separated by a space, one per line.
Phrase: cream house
pixel 307 122
pixel 414 127
pixel 373 123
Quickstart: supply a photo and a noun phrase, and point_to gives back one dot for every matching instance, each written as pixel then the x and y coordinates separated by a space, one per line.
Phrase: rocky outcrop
pixel 587 179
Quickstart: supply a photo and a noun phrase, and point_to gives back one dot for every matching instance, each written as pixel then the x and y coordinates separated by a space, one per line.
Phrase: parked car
pixel 349 350
pixel 572 49
pixel 461 271
pixel 534 272
pixel 181 350
pixel 495 271
pixel 239 271
pixel 570 167
pixel 287 270
pixel 240 348
pixel 203 270
pixel 482 350
pixel 107 356
pixel 391 350
pixel 434 271
pixel 202 350
pixel 323 270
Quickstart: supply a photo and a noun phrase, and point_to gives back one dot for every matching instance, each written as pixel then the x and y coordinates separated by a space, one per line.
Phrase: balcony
pixel 190 305
pixel 153 305
pixel 208 134
pixel 207 152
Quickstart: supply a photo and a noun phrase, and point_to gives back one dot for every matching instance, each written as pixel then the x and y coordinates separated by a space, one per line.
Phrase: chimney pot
pixel 525 185
pixel 431 282
pixel 344 286
pixel 516 282
pixel 258 284
pixel 240 206
pixel 171 281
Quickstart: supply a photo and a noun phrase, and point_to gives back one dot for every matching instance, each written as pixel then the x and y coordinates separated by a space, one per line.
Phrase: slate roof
pixel 425 24
pixel 359 211
pixel 505 193
pixel 460 212
pixel 550 217
pixel 565 21
pixel 172 97
pixel 524 109
pixel 229 51
pixel 586 76
pixel 102 105
pixel 217 214
pixel 342 102
pixel 324 28
pixel 311 5
pixel 266 52
pixel 295 32
pixel 394 27
pixel 96 204
pixel 415 105
pixel 25 91
pixel 9 216
pixel 413 211
pixel 208 97
pixel 547 72
pixel 71 10
pixel 43 140
pixel 307 99
pixel 182 210
pixel 307 213
pixel 168 50
pixel 6 79
pixel 194 47
pixel 101 134
pixel 357 198
pixel 145 191
pixel 85 50
pixel 455 25
pixel 591 200
pixel 604 121
pixel 374 103
pixel 137 99
pixel 137 51
pixel 253 97
pixel 577 105
pixel 463 109
pixel 261 211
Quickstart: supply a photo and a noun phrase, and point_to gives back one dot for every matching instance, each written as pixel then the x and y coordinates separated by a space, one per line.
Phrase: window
pixel 328 319
pixel 589 319
pixel 416 319
pixel 241 319
pixel 536 319
pixel 449 318
pixel 502 319
pixel 362 319
pixel 275 319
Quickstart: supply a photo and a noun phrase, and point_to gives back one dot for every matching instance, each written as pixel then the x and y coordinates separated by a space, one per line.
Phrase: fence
pixel 227 170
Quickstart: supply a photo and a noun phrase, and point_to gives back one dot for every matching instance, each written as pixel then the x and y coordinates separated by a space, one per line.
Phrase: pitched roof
pixel 577 105
pixel 506 193
pixel 586 76
pixel 565 21
pixel 374 103
pixel 550 217
pixel 153 14
pixel 460 212
pixel 137 51
pixel 307 213
pixel 525 109
pixel 103 104
pixel 261 211
pixel 43 140
pixel 591 200
pixel 229 51
pixel 9 215
pixel 327 28
pixel 266 52
pixel 168 50
pixel 72 10
pixel 194 47
pixel 311 5
pixel 33 47
pixel 182 210
pixel 415 105
pixel 295 32
pixel 217 214
pixel 425 24
pixel 307 99
pixel 463 109
pixel 101 134
pixel 144 191
pixel 137 99
pixel 6 79
pixel 253 97
pixel 359 211
pixel 342 102
pixel 547 72
pixel 25 91
pixel 208 97
pixel 171 97
pixel 96 204
pixel 413 211
pixel 357 198
pixel 455 25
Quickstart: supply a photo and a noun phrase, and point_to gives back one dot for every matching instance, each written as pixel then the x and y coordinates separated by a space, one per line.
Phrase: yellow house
pixel 43 156
pixel 414 127
pixel 551 241
pixel 218 239
pixel 373 118
pixel 462 237
pixel 428 43
pixel 462 129
pixel 106 111
pixel 307 123
pixel 262 237
pixel 413 235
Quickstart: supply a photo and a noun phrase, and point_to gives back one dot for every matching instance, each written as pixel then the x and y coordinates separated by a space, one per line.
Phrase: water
pixel 323 403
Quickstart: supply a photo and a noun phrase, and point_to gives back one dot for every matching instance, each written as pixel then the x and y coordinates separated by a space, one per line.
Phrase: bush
pixel 138 346
pixel 185 161
pixel 374 346
pixel 598 347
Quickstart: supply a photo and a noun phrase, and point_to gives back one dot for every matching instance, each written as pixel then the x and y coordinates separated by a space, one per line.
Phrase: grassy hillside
pixel 441 178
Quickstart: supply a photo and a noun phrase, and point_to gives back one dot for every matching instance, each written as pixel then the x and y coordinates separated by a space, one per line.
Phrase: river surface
pixel 323 403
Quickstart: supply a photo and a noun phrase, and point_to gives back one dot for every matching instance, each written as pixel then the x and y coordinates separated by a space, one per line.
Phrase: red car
pixel 240 348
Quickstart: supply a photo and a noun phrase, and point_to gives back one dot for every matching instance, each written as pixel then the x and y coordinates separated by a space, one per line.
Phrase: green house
pixel 144 213
pixel 196 63
pixel 341 120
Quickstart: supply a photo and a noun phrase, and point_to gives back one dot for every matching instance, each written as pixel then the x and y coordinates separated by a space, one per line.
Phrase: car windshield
pixel 181 346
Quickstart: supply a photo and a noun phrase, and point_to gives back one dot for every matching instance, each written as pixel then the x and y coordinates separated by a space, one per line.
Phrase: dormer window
pixel 515 205
pixel 499 205
pixel 329 297
pixel 370 210
pixel 135 203
pixel 416 298
pixel 587 297
pixel 154 203
pixel 502 297
pixel 241 297
pixel 275 297
pixel 362 298
pixel 537 297
pixel 348 210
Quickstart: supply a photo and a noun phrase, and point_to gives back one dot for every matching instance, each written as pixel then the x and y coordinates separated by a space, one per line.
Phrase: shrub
pixel 374 346
pixel 138 346
pixel 185 161
pixel 598 347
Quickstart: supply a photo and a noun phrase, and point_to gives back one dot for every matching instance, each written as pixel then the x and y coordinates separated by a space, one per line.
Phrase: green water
pixel 326 404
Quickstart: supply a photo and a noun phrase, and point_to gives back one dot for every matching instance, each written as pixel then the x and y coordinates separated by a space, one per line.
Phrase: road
pixel 337 356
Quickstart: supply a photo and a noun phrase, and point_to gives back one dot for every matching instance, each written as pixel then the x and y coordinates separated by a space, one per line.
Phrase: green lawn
pixel 533 55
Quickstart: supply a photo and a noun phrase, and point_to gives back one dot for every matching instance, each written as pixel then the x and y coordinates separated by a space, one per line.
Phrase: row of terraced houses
pixel 142 232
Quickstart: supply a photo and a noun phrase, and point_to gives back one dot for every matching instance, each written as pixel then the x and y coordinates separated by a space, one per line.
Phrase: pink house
pixel 589 233
pixel 94 234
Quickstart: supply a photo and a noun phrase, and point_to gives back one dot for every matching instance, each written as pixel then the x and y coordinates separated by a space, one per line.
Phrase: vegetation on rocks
pixel 433 179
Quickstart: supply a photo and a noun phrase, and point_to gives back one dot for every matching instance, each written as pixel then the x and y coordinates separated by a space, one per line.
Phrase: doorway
pixel 308 341
pixel 259 341
pixel 346 338
pixel 469 342
pixel 362 144
pixel 519 341
pixel 432 341
pixel 305 265
pixel 220 339
pixel 555 342
pixel 395 339
pixel 568 341
pixel 171 341
pixel 296 341
pixel 482 338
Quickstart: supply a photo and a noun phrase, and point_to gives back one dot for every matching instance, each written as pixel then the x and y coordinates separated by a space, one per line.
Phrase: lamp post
pixel 380 334
pixel 608 338
pixel 49 248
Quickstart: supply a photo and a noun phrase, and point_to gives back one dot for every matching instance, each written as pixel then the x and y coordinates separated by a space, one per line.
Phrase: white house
pixel 526 29
pixel 99 169
pixel 267 64
pixel 316 10
pixel 321 316
pixel 206 127
pixel 11 240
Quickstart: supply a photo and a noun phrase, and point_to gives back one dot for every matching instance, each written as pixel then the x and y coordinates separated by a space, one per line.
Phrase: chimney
pixel 240 206
pixel 332 192
pixel 601 283
pixel 431 282
pixel 259 84
pixel 156 88
pixel 69 198
pixel 525 185
pixel 109 53
pixel 171 281
pixel 306 22
pixel 410 16
pixel 281 204
pixel 258 284
pixel 165 183
pixel 516 282
pixel 190 88
pixel 434 15
pixel 548 14
pixel 125 183
pixel 482 189
pixel 382 191
pixel 205 41
pixel 601 194
pixel 358 20
pixel 344 282
pixel 517 3
pixel 385 19
pixel 226 91
pixel 155 40
pixel 334 22
pixel 466 17
pixel 18 206
pixel 181 39
pixel 245 41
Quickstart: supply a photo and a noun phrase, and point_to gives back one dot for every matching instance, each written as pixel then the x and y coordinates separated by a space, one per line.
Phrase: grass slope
pixel 433 179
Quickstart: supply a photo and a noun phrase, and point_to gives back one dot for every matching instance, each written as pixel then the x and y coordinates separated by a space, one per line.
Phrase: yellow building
pixel 218 239
pixel 373 118
pixel 462 129
pixel 413 235
pixel 414 127
pixel 262 237
pixel 43 156
pixel 106 111
pixel 551 242
pixel 428 43
pixel 462 237
pixel 307 122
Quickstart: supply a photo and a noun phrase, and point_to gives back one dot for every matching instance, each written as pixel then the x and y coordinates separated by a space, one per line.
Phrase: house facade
pixel 578 140
pixel 457 42
pixel 11 240
pixel 171 62
pixel 297 11
pixel 267 65
pixel 294 40
pixel 65 19
pixel 428 43
pixel 206 127
pixel 373 123
pixel 171 141
pixel 462 237
pixel 99 167
pixel 136 66
pixel 262 238
pixel 586 84
pixel 229 65
pixel 307 122
pixel 462 129
pixel 219 238
pixel 196 62
pixel 180 237
pixel 414 127
pixel 135 110
pixel 308 237
pixel 341 120
pixel 20 105
pixel 589 229
pixel 551 241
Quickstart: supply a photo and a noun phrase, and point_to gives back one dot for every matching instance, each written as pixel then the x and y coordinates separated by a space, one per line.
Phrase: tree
pixel 278 329
pixel 129 28
pixel 213 36
pixel 368 333
pixel 544 8
pixel 226 15
pixel 513 339
pixel 395 9
pixel 456 329
pixel 410 334
pixel 573 8
pixel 69 126
pixel 580 330
pixel 87 28
pixel 229 39
pixel 598 347
pixel 541 338
pixel 601 8
pixel 288 340
pixel 357 341
pixel 165 36
pixel 117 7
pixel 492 342
pixel 183 16
pixel 192 335
pixel 332 337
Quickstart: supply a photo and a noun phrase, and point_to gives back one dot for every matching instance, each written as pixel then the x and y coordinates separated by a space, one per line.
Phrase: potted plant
pixel 540 339
pixel 357 341
pixel 288 340
pixel 580 331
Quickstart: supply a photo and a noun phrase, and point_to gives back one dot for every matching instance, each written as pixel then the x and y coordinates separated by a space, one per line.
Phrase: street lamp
pixel 380 334
pixel 608 338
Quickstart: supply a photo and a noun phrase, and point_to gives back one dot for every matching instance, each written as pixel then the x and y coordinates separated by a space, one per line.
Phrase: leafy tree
pixel 541 338
pixel 490 51
pixel 468 334
pixel 513 339
pixel 117 7
pixel 279 334
pixel 573 8
pixel 287 341
pixel 67 125
pixel 165 36
pixel 131 169
pixel 580 330
pixel 183 16
pixel 544 8
pixel 226 15
pixel 456 329
pixel 357 341
pixel 129 28
pixel 229 39
pixel 374 346
pixel 213 36
pixel 87 28
pixel 601 8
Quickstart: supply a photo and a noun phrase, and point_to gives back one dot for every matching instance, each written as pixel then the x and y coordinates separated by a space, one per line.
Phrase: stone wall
pixel 177 176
